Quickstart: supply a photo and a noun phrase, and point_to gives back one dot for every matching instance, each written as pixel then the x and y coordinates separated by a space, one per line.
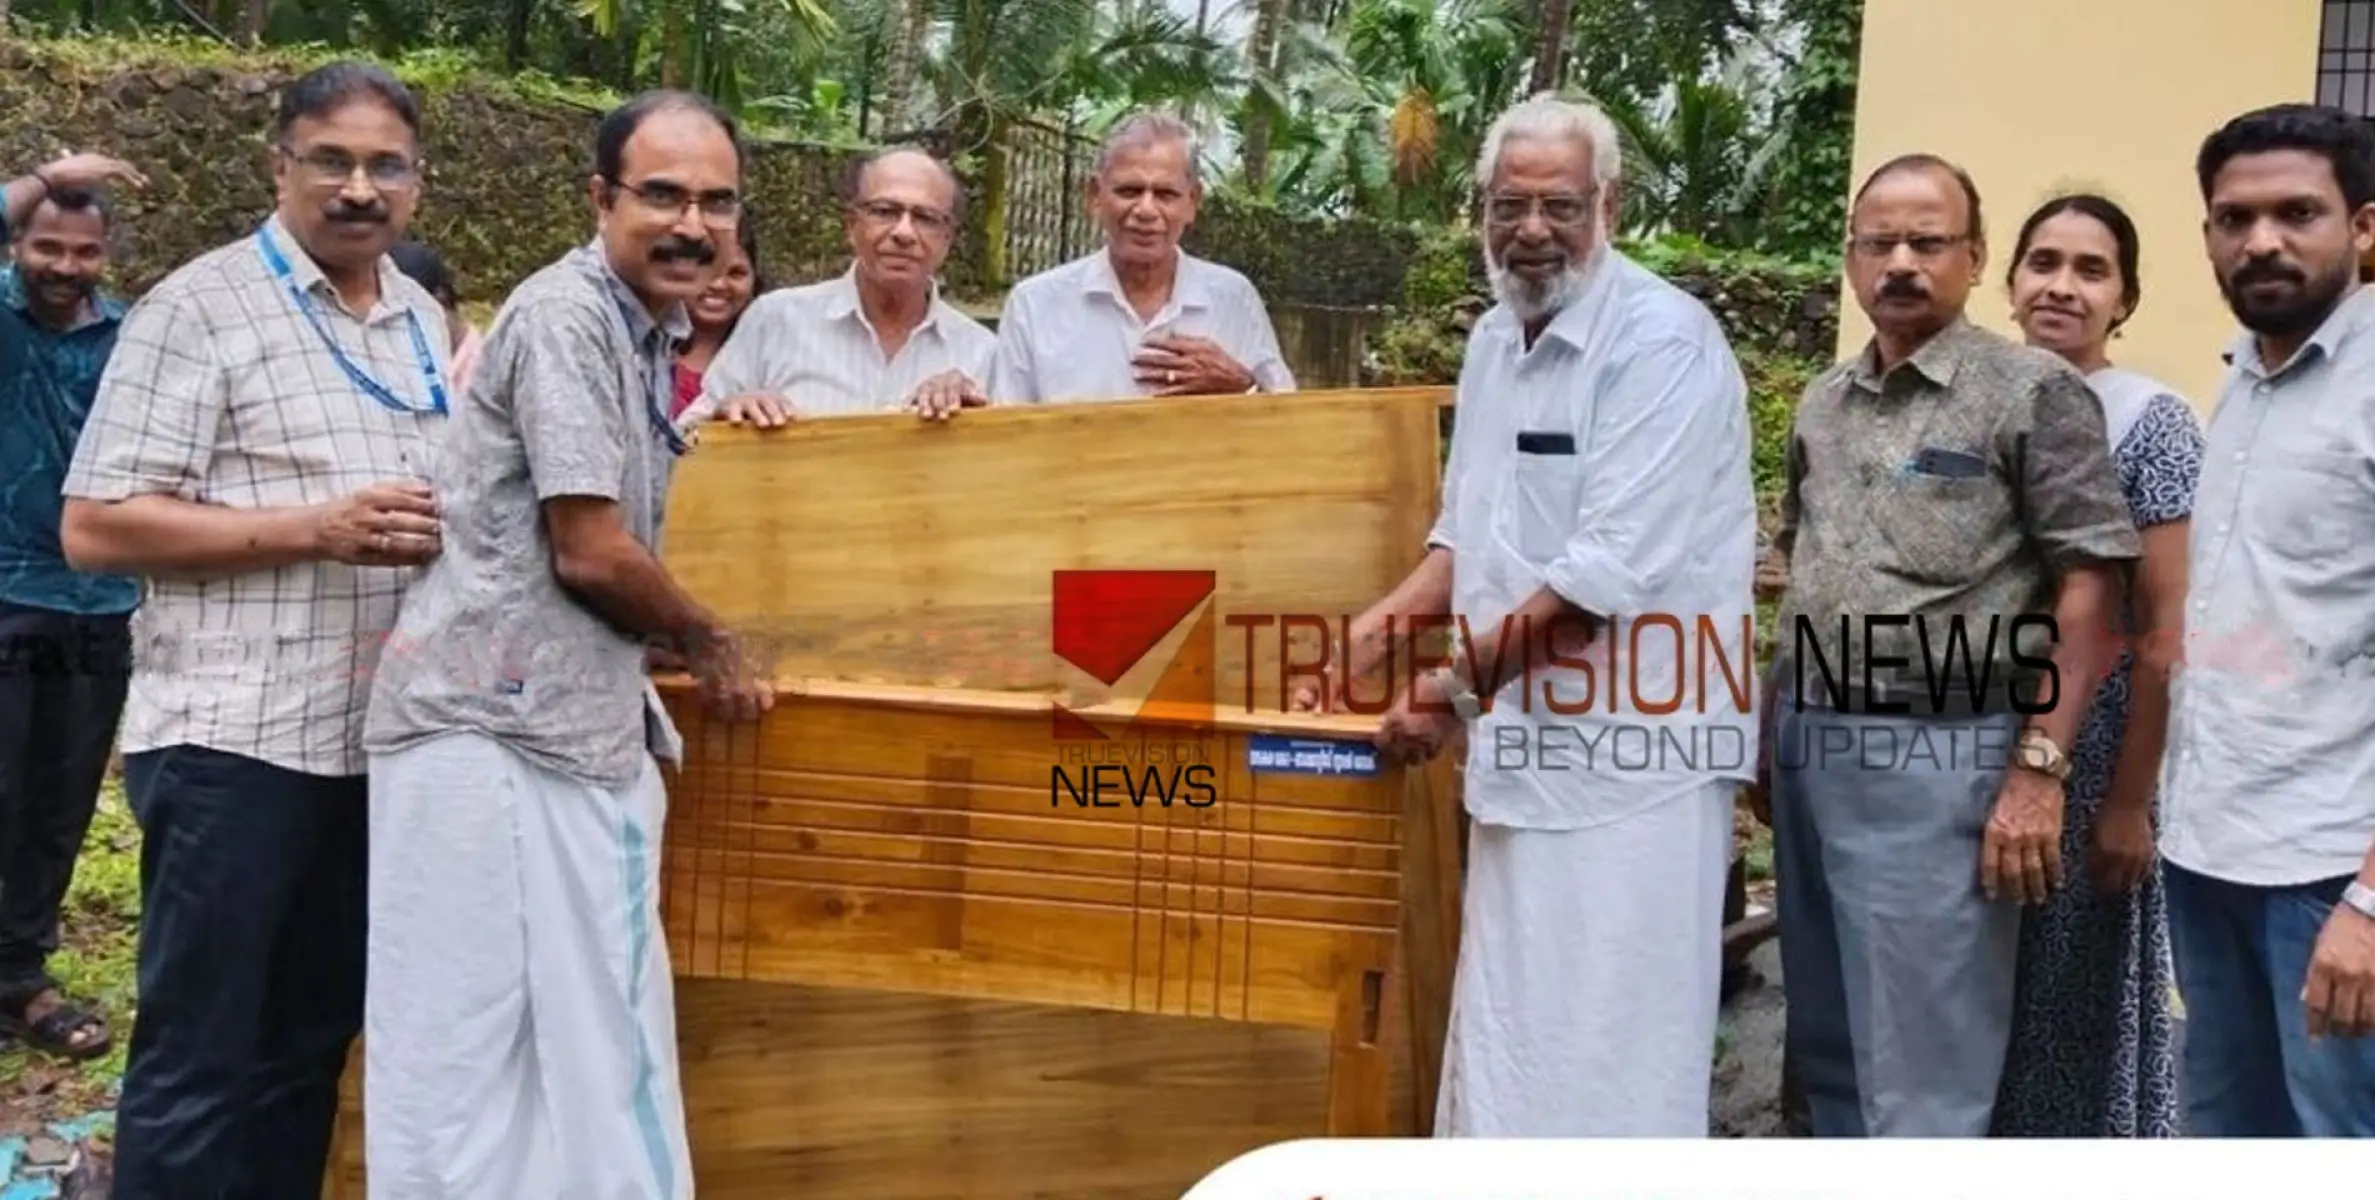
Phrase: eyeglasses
pixel 720 209
pixel 1923 245
pixel 1560 212
pixel 888 212
pixel 330 168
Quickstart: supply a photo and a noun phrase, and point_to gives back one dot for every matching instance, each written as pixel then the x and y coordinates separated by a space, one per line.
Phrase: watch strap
pixel 2361 897
pixel 2055 761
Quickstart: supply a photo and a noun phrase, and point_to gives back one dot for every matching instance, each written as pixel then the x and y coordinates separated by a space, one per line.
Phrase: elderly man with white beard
pixel 1597 496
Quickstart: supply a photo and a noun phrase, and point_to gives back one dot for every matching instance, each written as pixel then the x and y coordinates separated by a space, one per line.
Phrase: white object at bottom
pixel 519 1023
pixel 1590 974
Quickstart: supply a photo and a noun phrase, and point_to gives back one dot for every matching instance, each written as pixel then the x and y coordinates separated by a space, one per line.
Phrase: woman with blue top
pixel 2093 1047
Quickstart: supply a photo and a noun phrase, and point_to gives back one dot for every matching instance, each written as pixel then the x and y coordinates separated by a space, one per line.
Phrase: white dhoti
pixel 520 1025
pixel 1590 972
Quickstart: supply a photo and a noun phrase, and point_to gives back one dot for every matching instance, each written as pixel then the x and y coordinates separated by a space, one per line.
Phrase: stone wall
pixel 506 191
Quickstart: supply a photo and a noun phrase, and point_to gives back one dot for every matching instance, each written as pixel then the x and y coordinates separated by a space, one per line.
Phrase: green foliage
pixel 1442 271
pixel 1817 119
pixel 1351 262
pixel 95 962
pixel 507 157
pixel 1775 382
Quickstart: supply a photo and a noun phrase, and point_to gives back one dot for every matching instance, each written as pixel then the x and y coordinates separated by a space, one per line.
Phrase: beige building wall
pixel 2039 96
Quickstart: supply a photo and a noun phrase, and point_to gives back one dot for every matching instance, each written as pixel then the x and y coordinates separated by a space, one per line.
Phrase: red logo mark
pixel 1109 623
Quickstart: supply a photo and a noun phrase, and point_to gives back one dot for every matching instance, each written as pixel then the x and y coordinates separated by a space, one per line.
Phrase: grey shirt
pixel 2270 776
pixel 1959 485
pixel 569 400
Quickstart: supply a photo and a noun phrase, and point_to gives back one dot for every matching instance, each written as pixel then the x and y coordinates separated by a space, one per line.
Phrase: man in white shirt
pixel 1597 495
pixel 875 338
pixel 2268 789
pixel 1139 316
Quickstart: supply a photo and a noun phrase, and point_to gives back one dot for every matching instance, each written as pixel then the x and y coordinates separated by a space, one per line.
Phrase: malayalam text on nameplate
pixel 1274 755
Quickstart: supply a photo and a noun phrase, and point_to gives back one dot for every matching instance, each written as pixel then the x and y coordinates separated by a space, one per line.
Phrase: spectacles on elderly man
pixel 331 168
pixel 1561 212
pixel 888 212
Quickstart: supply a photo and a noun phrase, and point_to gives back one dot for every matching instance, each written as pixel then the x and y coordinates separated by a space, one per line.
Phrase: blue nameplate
pixel 1271 755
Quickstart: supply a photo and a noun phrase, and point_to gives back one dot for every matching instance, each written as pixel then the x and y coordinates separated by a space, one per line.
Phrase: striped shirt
pixel 1069 333
pixel 222 392
pixel 813 346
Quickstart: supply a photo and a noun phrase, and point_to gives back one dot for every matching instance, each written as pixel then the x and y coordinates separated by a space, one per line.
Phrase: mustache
pixel 2267 271
pixel 357 214
pixel 1902 287
pixel 51 279
pixel 678 248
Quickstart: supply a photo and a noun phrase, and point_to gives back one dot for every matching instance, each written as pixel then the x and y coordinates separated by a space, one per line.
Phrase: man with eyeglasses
pixel 259 453
pixel 1597 499
pixel 1138 316
pixel 875 338
pixel 1955 532
pixel 520 1037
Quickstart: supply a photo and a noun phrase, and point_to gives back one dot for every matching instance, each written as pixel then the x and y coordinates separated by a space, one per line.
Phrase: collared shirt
pixel 2270 776
pixel 222 392
pixel 48 378
pixel 1610 463
pixel 1069 333
pixel 1943 497
pixel 570 399
pixel 813 346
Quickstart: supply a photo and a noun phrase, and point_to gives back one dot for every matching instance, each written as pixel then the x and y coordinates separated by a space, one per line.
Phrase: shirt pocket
pixel 2312 507
pixel 1935 525
pixel 1538 509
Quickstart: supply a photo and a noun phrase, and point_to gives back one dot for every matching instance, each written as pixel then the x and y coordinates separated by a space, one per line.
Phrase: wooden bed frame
pixel 912 958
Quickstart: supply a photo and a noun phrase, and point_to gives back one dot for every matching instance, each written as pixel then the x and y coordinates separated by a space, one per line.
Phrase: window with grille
pixel 2346 56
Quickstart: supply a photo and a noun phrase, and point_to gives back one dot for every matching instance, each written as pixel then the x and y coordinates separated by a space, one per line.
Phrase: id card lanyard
pixel 431 379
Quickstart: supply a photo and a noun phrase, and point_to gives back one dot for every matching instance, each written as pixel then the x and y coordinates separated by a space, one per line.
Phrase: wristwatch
pixel 1459 692
pixel 2037 752
pixel 2361 897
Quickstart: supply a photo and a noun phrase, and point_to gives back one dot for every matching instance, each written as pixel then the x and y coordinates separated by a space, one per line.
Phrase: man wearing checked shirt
pixel 257 455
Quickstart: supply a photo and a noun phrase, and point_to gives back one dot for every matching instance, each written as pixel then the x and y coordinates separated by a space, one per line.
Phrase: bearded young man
pixel 2268 794
pixel 1598 478
pixel 65 635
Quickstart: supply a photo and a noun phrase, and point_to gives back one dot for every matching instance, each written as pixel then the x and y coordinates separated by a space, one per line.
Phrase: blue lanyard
pixel 379 392
pixel 656 403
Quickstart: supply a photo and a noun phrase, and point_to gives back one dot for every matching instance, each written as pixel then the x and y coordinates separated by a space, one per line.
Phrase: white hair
pixel 1145 127
pixel 1545 116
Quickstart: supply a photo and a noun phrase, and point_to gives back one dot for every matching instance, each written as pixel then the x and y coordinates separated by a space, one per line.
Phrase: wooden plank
pixel 883 549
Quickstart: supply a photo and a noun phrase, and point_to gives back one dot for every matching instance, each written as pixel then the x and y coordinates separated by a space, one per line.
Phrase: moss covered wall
pixel 506 191
pixel 506 195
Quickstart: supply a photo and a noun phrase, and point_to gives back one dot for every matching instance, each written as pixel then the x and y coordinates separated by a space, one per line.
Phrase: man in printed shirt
pixel 518 970
pixel 1138 316
pixel 876 337
pixel 65 645
pixel 2268 791
pixel 1598 489
pixel 1944 484
pixel 259 454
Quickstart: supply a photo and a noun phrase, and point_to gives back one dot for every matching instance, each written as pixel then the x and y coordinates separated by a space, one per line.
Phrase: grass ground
pixel 95 963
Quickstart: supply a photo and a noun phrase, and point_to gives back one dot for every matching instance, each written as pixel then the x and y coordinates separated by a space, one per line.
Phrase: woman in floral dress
pixel 2093 1048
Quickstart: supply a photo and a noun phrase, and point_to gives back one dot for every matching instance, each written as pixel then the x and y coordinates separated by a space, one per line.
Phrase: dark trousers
pixel 251 976
pixel 62 680
pixel 2251 1068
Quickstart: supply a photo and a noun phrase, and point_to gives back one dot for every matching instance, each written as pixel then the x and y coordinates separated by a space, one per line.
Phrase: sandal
pixel 57 1030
